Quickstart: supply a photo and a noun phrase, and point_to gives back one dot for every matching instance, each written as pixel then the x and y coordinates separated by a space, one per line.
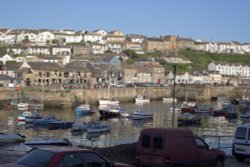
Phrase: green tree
pixel 129 61
pixel 3 50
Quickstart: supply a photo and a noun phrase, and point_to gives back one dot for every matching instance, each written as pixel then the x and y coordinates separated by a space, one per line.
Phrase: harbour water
pixel 123 130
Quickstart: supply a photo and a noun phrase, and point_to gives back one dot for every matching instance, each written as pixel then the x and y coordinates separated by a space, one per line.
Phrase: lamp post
pixel 173 113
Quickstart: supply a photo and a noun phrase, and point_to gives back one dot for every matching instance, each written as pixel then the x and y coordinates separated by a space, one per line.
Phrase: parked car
pixel 241 142
pixel 64 157
pixel 175 147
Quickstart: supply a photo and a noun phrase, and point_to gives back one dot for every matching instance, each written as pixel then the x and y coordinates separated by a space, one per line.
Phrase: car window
pixel 145 141
pixel 158 143
pixel 93 160
pixel 241 133
pixel 31 159
pixel 72 160
pixel 200 143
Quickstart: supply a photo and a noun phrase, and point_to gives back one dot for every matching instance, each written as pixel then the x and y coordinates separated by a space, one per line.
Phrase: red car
pixel 64 157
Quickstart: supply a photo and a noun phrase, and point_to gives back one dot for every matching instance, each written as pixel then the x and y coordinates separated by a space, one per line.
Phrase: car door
pixel 71 160
pixel 206 157
pixel 92 159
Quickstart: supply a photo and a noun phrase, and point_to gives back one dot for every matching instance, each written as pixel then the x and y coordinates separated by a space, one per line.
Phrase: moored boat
pixel 106 102
pixel 83 109
pixel 169 99
pixel 97 128
pixel 139 114
pixel 142 99
pixel 22 116
pixel 110 111
pixel 11 138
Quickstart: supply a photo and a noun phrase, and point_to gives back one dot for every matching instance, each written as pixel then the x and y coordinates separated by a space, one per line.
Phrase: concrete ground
pixel 232 162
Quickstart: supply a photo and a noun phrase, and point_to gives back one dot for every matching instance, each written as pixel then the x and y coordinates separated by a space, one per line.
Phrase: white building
pixel 60 50
pixel 230 69
pixel 94 38
pixel 39 50
pixel 44 37
pixel 99 48
pixel 6 58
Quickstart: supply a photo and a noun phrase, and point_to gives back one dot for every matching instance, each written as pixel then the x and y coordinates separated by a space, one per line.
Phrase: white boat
pixel 142 99
pixel 22 106
pixel 83 109
pixel 47 141
pixel 103 102
pixel 22 116
pixel 168 99
pixel 188 104
pixel 139 114
pixel 124 114
pixel 11 138
pixel 110 110
pixel 96 128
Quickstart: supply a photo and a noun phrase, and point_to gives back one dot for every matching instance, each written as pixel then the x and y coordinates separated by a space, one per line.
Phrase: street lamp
pixel 173 113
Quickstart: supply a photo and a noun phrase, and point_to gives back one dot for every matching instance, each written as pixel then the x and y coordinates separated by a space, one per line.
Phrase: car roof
pixel 58 149
pixel 169 131
pixel 246 125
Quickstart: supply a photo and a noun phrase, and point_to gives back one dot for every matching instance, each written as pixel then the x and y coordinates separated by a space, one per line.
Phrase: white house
pixel 44 37
pixel 101 32
pixel 115 47
pixel 30 35
pixel 6 58
pixel 94 38
pixel 60 50
pixel 3 33
pixel 67 31
pixel 99 48
pixel 39 50
pixel 135 38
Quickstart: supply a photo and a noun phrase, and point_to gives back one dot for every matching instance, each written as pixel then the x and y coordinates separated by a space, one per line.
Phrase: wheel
pixel 239 158
pixel 219 163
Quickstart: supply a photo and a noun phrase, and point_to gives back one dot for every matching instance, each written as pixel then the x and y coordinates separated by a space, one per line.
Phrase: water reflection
pixel 123 130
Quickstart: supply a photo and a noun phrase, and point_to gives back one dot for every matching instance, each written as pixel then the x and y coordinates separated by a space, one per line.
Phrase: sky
pixel 210 20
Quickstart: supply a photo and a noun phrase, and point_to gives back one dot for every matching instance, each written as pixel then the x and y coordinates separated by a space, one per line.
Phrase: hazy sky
pixel 212 20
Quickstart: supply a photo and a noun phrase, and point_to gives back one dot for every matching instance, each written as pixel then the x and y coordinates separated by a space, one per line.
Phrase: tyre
pixel 239 158
pixel 219 163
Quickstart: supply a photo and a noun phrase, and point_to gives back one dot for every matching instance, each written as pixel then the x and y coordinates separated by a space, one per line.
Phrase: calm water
pixel 123 130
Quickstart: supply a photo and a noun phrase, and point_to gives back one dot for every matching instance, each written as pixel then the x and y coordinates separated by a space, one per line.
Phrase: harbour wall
pixel 72 98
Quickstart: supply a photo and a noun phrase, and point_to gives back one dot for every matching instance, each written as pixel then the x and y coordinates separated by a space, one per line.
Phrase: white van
pixel 241 143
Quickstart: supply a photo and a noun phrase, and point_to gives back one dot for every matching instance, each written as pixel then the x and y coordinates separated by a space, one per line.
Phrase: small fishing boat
pixel 44 121
pixel 22 116
pixel 11 138
pixel 103 102
pixel 139 114
pixel 204 109
pixel 83 109
pixel 124 114
pixel 97 128
pixel 188 119
pixel 30 119
pixel 47 141
pixel 142 99
pixel 110 111
pixel 231 113
pixel 168 99
pixel 22 106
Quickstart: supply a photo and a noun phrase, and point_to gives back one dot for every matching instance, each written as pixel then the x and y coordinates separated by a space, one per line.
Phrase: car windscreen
pixel 241 133
pixel 36 158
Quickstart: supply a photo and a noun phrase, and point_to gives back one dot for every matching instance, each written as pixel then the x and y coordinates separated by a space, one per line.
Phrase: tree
pixel 131 54
pixel 3 50
pixel 129 61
